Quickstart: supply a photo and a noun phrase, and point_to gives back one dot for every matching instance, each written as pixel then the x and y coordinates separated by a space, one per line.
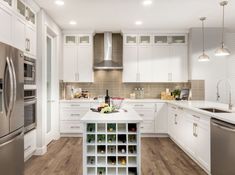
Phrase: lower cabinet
pixel 191 131
pixel 70 117
pixel 29 144
pixel 161 126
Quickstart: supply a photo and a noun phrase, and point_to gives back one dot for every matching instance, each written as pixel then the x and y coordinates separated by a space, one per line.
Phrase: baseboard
pixel 40 151
pixel 154 135
pixel 71 135
pixel 29 156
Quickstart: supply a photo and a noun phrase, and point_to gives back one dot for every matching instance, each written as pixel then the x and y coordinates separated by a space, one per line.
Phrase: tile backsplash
pixel 112 80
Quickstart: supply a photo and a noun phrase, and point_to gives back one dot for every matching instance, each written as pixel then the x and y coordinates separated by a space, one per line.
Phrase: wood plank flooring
pixel 160 156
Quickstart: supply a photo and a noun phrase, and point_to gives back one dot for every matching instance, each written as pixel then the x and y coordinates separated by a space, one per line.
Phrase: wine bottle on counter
pixel 107 98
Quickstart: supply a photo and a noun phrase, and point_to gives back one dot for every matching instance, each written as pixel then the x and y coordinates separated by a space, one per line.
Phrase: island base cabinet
pixel 111 149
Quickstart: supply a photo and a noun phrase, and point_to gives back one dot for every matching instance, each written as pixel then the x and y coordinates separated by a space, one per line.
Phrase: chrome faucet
pixel 230 105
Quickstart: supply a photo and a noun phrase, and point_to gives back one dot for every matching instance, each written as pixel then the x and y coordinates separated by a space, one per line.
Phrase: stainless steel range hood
pixel 107 62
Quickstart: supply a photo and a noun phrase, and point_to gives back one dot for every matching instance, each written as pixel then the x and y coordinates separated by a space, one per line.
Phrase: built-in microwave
pixel 30 110
pixel 29 71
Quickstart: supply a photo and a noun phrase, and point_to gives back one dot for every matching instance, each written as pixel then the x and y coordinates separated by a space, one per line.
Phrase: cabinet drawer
pixel 75 105
pixel 146 114
pixel 147 127
pixel 142 105
pixel 71 127
pixel 73 115
pixel 29 143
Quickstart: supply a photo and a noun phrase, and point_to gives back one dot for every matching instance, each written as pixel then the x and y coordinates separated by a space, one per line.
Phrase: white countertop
pixel 118 117
pixel 195 105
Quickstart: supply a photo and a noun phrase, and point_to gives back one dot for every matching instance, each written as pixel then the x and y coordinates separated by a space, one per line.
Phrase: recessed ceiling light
pixel 72 22
pixel 138 23
pixel 147 2
pixel 59 2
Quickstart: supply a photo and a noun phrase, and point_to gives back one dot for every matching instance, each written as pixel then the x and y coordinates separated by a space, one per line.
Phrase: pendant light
pixel 204 57
pixel 222 51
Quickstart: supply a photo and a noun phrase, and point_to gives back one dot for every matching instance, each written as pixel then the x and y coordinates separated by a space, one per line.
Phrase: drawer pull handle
pixel 141 115
pixel 196 116
pixel 142 127
pixel 173 107
pixel 75 127
pixel 180 108
pixel 139 105
pixel 75 105
pixel 27 148
pixel 74 114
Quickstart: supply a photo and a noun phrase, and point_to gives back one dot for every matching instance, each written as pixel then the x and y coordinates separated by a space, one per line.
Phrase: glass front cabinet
pixel 26 12
pixel 166 39
pixel 80 39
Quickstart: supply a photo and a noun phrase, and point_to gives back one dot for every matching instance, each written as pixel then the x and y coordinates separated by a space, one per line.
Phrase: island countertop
pixel 124 115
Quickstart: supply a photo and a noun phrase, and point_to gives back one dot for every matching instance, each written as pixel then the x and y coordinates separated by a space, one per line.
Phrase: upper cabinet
pixel 8 2
pixel 155 58
pixel 78 39
pixel 26 12
pixel 170 39
pixel 78 58
pixel 19 29
pixel 130 39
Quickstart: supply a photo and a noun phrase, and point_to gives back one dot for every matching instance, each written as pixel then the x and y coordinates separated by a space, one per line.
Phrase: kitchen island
pixel 111 143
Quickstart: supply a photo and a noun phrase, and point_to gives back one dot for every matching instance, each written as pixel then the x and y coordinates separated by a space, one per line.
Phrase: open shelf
pixel 111 148
pixel 121 171
pixel 101 160
pixel 111 171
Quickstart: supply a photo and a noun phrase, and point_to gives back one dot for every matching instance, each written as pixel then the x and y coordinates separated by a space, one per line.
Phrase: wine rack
pixel 111 149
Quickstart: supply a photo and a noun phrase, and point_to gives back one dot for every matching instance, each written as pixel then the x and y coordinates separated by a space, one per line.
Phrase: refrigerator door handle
pixel 11 87
pixel 14 83
pixel 12 140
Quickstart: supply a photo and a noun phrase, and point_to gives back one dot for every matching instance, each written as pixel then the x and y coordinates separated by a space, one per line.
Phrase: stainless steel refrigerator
pixel 11 111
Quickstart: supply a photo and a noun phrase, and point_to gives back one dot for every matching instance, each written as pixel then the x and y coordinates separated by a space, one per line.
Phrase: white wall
pixel 44 22
pixel 217 68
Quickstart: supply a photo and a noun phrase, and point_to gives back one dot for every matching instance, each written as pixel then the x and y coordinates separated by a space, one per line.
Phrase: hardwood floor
pixel 160 156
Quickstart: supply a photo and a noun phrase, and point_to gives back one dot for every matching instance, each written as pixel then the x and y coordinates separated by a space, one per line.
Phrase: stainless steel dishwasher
pixel 222 148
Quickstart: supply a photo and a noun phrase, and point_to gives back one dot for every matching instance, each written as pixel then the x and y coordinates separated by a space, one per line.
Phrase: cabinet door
pixel 31 40
pixel 160 69
pixel 84 64
pixel 130 39
pixel 189 138
pixel 19 34
pixel 6 25
pixel 144 63
pixel 203 142
pixel 172 121
pixel 161 118
pixel 70 64
pixel 130 62
pixel 178 63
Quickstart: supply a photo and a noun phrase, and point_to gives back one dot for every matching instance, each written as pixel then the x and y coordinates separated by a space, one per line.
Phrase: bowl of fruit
pixel 105 109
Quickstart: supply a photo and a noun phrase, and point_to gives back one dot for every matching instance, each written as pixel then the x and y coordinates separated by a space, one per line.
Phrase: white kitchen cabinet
pixel 191 131
pixel 144 63
pixel 6 18
pixel 84 64
pixel 29 144
pixel 8 3
pixel 70 117
pixel 161 120
pixel 130 39
pixel 178 64
pixel 70 64
pixel 30 40
pixel 145 40
pixel 160 63
pixel 78 58
pixel 130 64
pixel 19 33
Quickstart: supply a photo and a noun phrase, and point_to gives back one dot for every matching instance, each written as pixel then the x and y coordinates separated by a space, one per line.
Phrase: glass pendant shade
pixel 222 51
pixel 203 58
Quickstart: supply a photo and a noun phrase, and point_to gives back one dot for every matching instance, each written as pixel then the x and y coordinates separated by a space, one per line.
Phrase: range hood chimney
pixel 107 63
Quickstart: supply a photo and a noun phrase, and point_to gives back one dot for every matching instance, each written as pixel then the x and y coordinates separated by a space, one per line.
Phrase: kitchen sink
pixel 214 110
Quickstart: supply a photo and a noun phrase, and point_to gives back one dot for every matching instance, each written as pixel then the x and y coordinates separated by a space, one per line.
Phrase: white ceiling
pixel 112 15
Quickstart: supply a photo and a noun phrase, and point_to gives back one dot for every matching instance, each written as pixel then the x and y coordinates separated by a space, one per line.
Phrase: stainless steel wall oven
pixel 30 105
pixel 29 71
